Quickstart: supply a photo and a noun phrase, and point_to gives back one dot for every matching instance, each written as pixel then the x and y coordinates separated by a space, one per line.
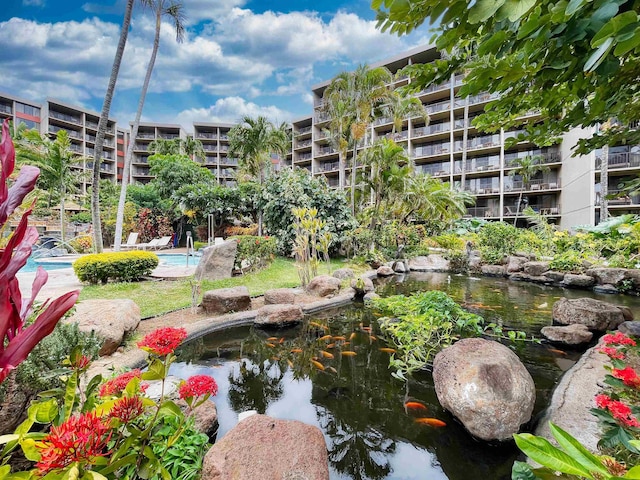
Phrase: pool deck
pixel 64 280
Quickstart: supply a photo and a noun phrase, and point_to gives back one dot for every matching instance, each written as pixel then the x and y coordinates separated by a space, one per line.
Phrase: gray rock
pixel 111 320
pixel 494 270
pixel 400 267
pixel 261 447
pixel 154 390
pixel 630 328
pixel 535 269
pixel 594 314
pixel 485 386
pixel 370 296
pixel 514 263
pixel 217 261
pixel 279 315
pixel 432 263
pixel 626 313
pixel 556 277
pixel 529 256
pixel 580 281
pixel 344 273
pixel 362 285
pixel 575 334
pixel 607 289
pixel 279 296
pixel 475 264
pixel 385 271
pixel 323 286
pixel 604 275
pixel 633 274
pixel 573 398
pixel 225 300
pixel 206 418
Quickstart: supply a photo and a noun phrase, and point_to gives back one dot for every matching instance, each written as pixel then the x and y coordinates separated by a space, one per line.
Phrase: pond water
pixel 355 401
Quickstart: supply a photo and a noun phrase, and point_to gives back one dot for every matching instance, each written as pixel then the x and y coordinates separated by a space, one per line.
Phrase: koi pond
pixel 353 398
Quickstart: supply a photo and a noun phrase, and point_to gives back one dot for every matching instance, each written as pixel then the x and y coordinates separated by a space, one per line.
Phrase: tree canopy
pixel 574 61
pixel 174 171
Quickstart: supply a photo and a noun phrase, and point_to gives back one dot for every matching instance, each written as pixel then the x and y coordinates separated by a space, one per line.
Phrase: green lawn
pixel 156 298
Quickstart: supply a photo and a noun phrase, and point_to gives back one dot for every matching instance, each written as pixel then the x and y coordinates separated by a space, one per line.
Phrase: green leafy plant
pixel 254 252
pixel 122 266
pixel 311 244
pixel 497 239
pixel 569 261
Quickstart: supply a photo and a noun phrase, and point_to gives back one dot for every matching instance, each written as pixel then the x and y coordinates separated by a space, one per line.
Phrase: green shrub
pixel 82 244
pixel 81 217
pixel 254 252
pixel 198 245
pixel 450 241
pixel 118 266
pixel 497 239
pixel 569 261
pixel 458 260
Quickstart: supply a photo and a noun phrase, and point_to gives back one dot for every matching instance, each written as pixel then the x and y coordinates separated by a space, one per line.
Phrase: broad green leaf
pixel 522 471
pixel 30 450
pixel 70 395
pixel 376 4
pixel 156 371
pixel 72 474
pixel 574 448
pixel 169 409
pixel 399 9
pixel 129 459
pixel 492 44
pixel 573 7
pixel 8 438
pixel 598 56
pixel 542 451
pixel 515 9
pixel 635 444
pixel 90 474
pixel 4 471
pixel 43 412
pixel 483 9
pixel 624 47
pixel 634 473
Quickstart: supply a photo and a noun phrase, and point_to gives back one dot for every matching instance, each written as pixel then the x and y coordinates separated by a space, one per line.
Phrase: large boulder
pixel 432 263
pixel 595 314
pixel 217 261
pixel 493 270
pixel 385 271
pixel 514 263
pixel 575 334
pixel 578 281
pixel 362 285
pixel 535 269
pixel 324 286
pixel 555 276
pixel 279 315
pixel 484 384
pixel 225 300
pixel 630 328
pixel 344 273
pixel 400 267
pixel 610 276
pixel 279 296
pixel 264 447
pixel 111 320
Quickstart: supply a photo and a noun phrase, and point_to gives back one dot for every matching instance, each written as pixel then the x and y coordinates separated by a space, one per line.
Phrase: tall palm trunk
pixel 63 193
pixel 341 170
pixel 604 184
pixel 465 139
pixel 134 132
pixel 353 177
pixel 102 127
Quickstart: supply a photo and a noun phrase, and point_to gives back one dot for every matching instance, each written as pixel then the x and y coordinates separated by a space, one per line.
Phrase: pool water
pixel 177 259
pixel 356 403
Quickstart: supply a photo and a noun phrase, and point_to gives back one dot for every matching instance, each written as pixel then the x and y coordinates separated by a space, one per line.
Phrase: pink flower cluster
pixel 163 341
pixel 612 353
pixel 618 410
pixel 618 338
pixel 116 385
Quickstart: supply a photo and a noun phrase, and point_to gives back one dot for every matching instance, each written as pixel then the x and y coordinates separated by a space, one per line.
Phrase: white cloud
pixel 229 110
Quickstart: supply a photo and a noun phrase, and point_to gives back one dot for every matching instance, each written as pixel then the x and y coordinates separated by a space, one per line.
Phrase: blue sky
pixel 240 57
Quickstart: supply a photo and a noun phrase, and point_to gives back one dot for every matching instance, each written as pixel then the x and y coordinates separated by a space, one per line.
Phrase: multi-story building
pixel 19 111
pixel 215 142
pixel 147 133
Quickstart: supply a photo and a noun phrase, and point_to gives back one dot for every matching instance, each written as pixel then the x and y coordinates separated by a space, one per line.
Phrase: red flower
pixel 628 375
pixel 612 352
pixel 257 242
pixel 82 438
pixel 618 410
pixel 198 385
pixel 602 401
pixel 618 338
pixel 163 341
pixel 127 409
pixel 116 385
pixel 81 362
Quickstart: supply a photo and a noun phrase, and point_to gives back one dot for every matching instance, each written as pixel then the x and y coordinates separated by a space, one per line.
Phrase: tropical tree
pixel 400 106
pixel 385 176
pixel 253 140
pixel 174 171
pixel 189 146
pixel 59 175
pixel 526 168
pixel 338 133
pixel 192 147
pixel 362 90
pixel 102 125
pixel 173 10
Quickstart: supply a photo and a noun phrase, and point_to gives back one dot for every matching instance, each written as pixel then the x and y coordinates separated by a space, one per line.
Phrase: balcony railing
pixel 431 129
pixel 483 212
pixel 206 135
pixel 329 167
pixel 382 120
pixel 434 169
pixel 224 136
pixel 326 151
pixel 322 117
pixel 438 107
pixel 65 117
pixel 303 144
pixel 5 108
pixel 540 157
pixel 148 136
pixel 620 160
pixel 305 156
pixel 536 185
pixel 168 136
pixel 433 88
pixel 229 161
pixel 482 167
pixel 621 198
pixel 398 136
pixel 304 130
pixel 547 210
pixel 142 172
pixel 427 150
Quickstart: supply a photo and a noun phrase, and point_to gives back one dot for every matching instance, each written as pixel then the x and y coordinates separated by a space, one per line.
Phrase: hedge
pixel 254 252
pixel 118 266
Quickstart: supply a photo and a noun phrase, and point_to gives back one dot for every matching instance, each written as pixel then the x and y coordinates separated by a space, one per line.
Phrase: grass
pixel 157 298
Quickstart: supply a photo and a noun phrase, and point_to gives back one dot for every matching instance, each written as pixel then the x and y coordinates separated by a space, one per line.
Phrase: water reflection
pixel 355 401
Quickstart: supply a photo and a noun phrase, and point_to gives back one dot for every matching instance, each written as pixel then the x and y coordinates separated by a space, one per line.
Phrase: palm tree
pixel 163 146
pixel 399 107
pixel 338 133
pixel 102 125
pixel 58 175
pixel 386 175
pixel 253 141
pixel 363 90
pixel 526 168
pixel 193 147
pixel 172 9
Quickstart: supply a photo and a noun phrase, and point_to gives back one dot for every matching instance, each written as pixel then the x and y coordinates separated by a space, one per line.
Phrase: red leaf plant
pixel 17 339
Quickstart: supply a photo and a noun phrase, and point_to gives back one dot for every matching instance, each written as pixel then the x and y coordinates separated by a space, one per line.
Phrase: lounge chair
pixel 151 244
pixel 131 241
pixel 164 242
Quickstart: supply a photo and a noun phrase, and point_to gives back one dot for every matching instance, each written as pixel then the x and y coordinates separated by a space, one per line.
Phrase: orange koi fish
pixel 325 338
pixel 331 369
pixel 348 353
pixel 271 345
pixel 272 339
pixel 432 422
pixel 415 405
pixel 387 350
pixel 290 363
pixel 366 329
pixel 352 336
pixel 318 325
pixel 373 338
pixel 326 354
pixel 318 365
pixel 281 340
pixel 296 350
pixel 341 338
pixel 555 350
pixel 331 345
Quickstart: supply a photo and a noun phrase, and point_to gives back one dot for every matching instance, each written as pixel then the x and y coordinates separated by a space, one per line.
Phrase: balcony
pixel 382 120
pixel 141 172
pixel 434 169
pixel 224 136
pixel 304 156
pixel 535 185
pixel 482 212
pixel 620 160
pixel 223 148
pixel 5 108
pixel 476 143
pixel 546 210
pixel 551 155
pixel 431 129
pixel 322 117
pixel 438 107
pixel 210 148
pixel 433 88
pixel 75 148
pixel 64 117
pixel 429 150
pixel 397 137
pixel 146 136
pixel 229 161
pixel 304 131
pixel 326 151
pixel 329 167
pixel 303 144
pixel 206 135
pixel 227 173
pixel 168 136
